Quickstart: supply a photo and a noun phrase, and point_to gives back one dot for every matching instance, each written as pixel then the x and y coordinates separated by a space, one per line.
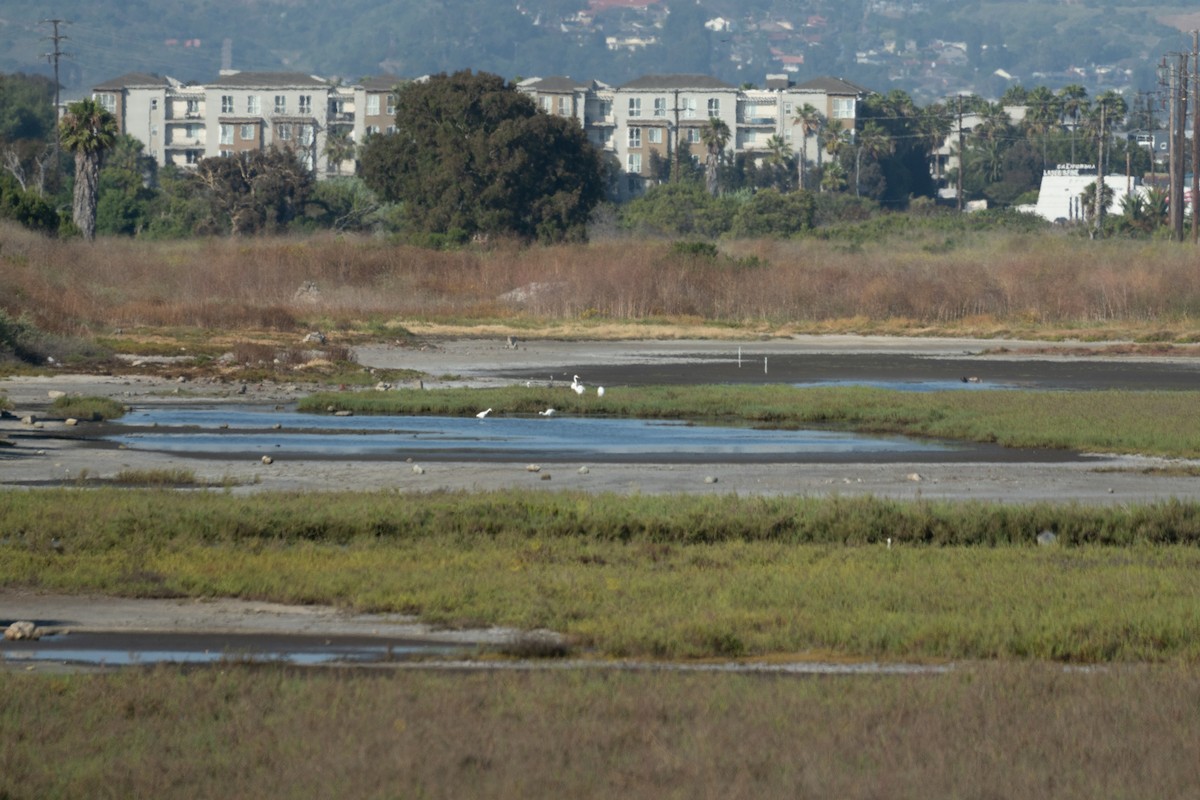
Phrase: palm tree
pixel 1041 115
pixel 339 148
pixel 715 135
pixel 87 130
pixel 1073 100
pixel 932 128
pixel 811 122
pixel 874 141
pixel 833 138
pixel 778 153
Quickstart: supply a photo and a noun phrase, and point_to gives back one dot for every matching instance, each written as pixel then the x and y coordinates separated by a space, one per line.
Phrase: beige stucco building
pixel 180 124
pixel 641 125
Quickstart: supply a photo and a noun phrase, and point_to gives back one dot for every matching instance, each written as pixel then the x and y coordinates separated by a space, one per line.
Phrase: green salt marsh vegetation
pixel 660 577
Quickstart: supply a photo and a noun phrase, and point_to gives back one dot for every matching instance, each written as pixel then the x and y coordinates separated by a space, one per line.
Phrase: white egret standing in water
pixel 484 413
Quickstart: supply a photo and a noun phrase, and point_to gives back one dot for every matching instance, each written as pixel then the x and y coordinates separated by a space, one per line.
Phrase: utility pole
pixel 1181 86
pixel 1177 101
pixel 962 162
pixel 1099 221
pixel 54 58
pixel 1195 136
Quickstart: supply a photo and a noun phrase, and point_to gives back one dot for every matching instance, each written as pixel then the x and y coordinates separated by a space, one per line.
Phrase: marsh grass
pixel 89 409
pixel 662 577
pixel 982 730
pixel 1157 423
pixel 990 283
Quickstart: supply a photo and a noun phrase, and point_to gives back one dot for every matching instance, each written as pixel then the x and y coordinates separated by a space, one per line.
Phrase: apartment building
pixel 180 124
pixel 642 125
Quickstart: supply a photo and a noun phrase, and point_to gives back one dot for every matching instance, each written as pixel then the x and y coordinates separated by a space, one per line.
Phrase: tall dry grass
pixel 990 731
pixel 985 282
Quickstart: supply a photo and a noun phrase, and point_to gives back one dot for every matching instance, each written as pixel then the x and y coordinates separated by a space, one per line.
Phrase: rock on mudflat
pixel 22 629
pixel 710 478
pixel 268 460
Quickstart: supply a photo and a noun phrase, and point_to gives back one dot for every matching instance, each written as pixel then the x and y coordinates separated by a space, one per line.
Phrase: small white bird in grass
pixel 549 412
pixel 484 413
pixel 600 391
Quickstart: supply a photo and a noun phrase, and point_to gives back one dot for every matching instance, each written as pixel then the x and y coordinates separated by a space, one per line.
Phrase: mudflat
pixel 50 453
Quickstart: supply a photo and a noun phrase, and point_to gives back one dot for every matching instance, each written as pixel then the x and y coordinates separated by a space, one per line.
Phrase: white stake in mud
pixel 764 365
pixel 739 358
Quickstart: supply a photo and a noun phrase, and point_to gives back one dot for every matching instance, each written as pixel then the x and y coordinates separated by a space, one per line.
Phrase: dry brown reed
pixel 991 283
pixel 990 731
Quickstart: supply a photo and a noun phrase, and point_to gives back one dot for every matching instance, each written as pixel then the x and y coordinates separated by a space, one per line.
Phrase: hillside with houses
pixel 928 48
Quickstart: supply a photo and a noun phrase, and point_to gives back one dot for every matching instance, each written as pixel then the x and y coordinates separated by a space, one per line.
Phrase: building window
pixel 247 133
pixel 655 135
pixel 635 106
pixel 564 106
pixel 192 156
pixel 226 154
pixel 226 134
pixel 714 107
pixel 391 105
pixel 633 163
pixel 372 129
pixel 689 108
pixel 787 109
pixel 107 101
pixel 154 130
pixel 660 106
pixel 154 104
pixel 635 137
pixel 373 105
pixel 843 108
pixel 192 131
pixel 280 104
pixel 306 104
pixel 547 103
pixel 285 132
pixel 252 106
pixel 307 135
pixel 605 109
pixel 226 104
pixel 693 135
pixel 193 108
pixel 391 128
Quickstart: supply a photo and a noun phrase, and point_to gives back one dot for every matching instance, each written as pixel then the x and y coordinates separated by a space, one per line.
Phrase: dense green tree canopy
pixel 260 191
pixel 471 155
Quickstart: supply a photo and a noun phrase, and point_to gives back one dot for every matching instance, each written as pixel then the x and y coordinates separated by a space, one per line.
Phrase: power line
pixel 54 58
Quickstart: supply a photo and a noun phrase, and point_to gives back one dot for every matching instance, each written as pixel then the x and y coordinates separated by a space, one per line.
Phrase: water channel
pixel 223 430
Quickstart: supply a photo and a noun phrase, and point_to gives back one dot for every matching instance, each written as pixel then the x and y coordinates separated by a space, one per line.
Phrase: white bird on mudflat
pixel 576 386
pixel 600 391
pixel 549 412
pixel 484 413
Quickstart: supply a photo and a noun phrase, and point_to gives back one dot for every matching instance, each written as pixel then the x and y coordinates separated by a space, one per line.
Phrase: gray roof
pixel 381 83
pixel 133 79
pixel 677 82
pixel 557 83
pixel 832 86
pixel 269 80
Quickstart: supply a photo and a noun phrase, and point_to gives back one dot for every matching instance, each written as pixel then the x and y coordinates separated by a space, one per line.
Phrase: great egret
pixel 576 386
pixel 549 412
pixel 600 391
pixel 484 413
